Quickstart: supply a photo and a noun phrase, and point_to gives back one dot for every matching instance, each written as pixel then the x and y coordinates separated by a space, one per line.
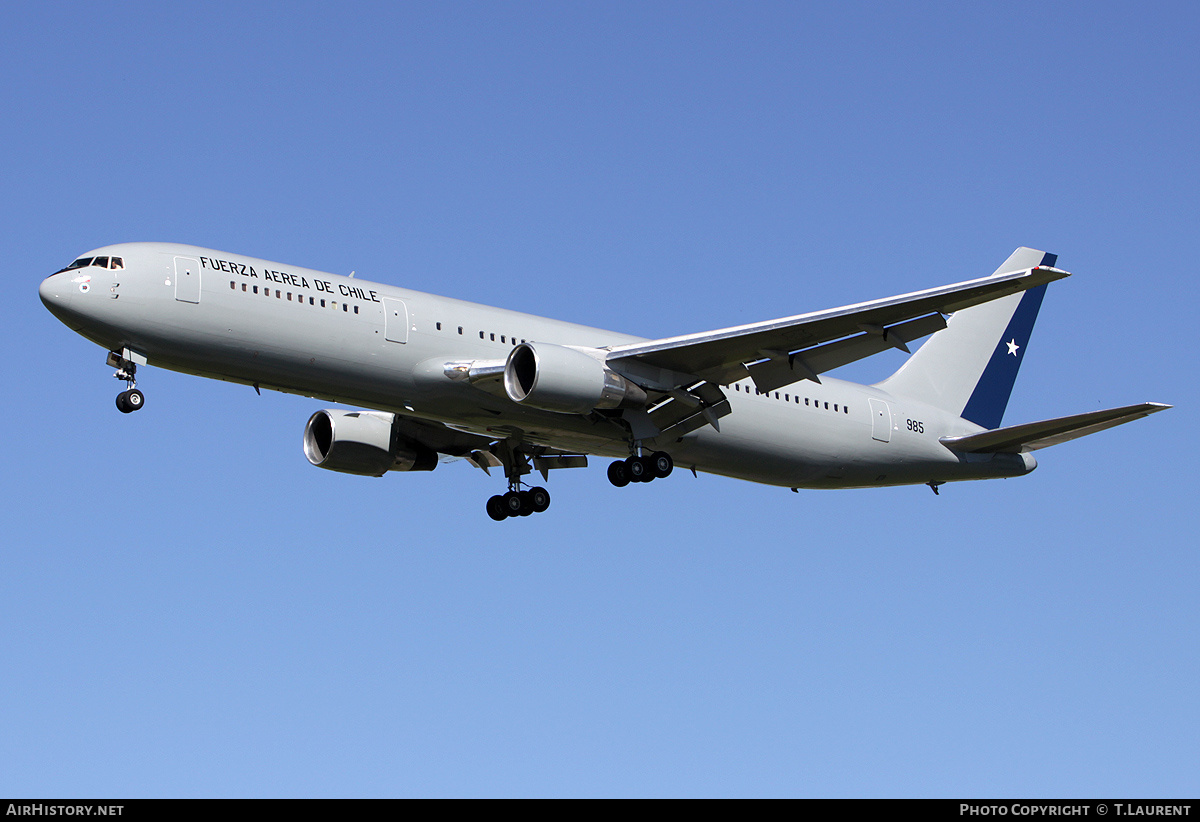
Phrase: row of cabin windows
pixel 811 403
pixel 483 335
pixel 504 338
pixel 279 295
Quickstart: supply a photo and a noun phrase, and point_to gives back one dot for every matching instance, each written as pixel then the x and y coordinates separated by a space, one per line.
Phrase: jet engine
pixel 565 380
pixel 363 442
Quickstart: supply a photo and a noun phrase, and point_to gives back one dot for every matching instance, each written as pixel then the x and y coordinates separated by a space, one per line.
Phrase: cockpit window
pixel 102 262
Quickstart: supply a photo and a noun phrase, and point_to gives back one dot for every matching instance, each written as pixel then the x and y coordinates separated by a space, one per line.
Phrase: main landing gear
pixel 131 399
pixel 641 468
pixel 517 502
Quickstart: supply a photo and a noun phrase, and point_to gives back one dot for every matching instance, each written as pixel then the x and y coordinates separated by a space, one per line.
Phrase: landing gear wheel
pixel 539 499
pixel 618 474
pixel 512 503
pixel 639 469
pixel 526 503
pixel 662 464
pixel 123 402
pixel 134 399
pixel 495 508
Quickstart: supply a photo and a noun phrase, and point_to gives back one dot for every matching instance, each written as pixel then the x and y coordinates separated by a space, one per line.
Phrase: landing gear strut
pixel 517 502
pixel 640 468
pixel 131 399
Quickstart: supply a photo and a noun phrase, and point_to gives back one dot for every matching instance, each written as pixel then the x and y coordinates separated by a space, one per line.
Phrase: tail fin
pixel 969 367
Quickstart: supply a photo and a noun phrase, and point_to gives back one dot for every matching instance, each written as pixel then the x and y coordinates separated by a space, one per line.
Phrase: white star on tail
pixel 1012 347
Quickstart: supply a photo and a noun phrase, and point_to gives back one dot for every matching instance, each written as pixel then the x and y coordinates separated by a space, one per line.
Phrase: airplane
pixel 441 379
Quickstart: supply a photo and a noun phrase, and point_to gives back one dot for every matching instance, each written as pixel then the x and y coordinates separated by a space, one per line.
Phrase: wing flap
pixel 786 369
pixel 1031 436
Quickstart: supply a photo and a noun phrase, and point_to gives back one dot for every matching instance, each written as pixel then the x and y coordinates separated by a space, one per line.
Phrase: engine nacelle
pixel 565 380
pixel 363 442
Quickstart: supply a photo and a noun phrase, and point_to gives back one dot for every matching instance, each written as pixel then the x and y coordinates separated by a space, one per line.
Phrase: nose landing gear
pixel 126 364
pixel 129 401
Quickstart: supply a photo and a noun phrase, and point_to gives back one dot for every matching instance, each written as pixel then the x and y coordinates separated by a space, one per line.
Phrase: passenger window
pixel 493 337
pixel 232 285
pixel 439 326
pixel 356 309
pixel 481 335
pixel 460 331
pixel 289 296
pixel 244 287
pixel 255 289
pixel 322 303
pixel 345 307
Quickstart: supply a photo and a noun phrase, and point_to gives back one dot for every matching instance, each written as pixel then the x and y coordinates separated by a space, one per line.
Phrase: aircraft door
pixel 187 280
pixel 881 421
pixel 395 320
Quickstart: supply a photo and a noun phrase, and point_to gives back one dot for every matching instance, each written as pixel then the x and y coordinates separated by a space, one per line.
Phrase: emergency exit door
pixel 187 280
pixel 395 320
pixel 881 421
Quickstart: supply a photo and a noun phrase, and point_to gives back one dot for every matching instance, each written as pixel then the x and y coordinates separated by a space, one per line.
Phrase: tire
pixel 662 464
pixel 135 399
pixel 539 498
pixel 511 503
pixel 618 475
pixel 123 402
pixel 495 508
pixel 526 503
pixel 639 469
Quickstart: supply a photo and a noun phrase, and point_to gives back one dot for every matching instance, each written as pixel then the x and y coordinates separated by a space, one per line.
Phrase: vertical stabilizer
pixel 969 367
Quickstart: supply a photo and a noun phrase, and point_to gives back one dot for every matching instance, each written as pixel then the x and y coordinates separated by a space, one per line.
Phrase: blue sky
pixel 190 609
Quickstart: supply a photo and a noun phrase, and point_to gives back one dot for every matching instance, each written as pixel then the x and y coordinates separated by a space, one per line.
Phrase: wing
pixel 779 352
pixel 684 374
pixel 1034 435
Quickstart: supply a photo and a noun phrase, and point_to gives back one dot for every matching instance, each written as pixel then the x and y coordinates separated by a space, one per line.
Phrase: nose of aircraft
pixel 56 291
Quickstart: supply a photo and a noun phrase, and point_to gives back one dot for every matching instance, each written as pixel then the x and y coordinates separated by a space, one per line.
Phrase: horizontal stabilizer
pixel 1034 435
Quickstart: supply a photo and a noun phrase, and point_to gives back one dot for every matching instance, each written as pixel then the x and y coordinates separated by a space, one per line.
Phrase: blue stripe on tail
pixel 990 397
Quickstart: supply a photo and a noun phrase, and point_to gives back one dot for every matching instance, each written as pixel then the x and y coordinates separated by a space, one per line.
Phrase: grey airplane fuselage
pixel 383 347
